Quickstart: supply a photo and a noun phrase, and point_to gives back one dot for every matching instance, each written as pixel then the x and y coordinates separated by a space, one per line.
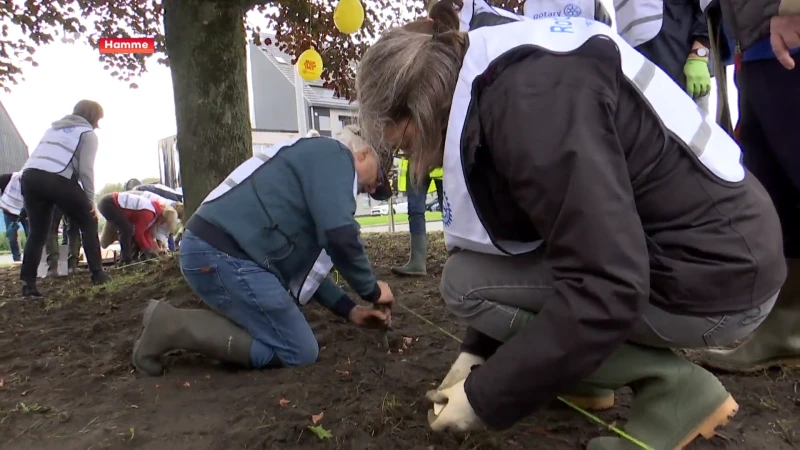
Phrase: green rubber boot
pixel 416 263
pixel 674 400
pixel 775 343
pixel 165 328
pixel 582 395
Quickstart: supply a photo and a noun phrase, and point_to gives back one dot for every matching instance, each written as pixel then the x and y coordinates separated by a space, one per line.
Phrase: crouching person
pixel 260 245
pixel 132 218
pixel 581 253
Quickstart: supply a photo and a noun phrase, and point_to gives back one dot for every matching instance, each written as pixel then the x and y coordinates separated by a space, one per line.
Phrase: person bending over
pixel 260 246
pixel 60 173
pixel 595 220
pixel 132 218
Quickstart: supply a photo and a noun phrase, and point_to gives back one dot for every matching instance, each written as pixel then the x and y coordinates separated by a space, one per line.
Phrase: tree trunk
pixel 206 47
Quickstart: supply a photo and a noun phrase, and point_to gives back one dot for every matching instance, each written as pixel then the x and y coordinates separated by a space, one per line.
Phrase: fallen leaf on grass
pixel 283 402
pixel 340 372
pixel 158 386
pixel 208 377
pixel 320 432
pixel 317 417
pixel 2 382
pixel 186 384
pixel 408 340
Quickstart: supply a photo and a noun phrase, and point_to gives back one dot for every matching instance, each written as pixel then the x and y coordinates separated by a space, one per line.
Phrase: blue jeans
pixel 417 193
pixel 253 298
pixel 12 233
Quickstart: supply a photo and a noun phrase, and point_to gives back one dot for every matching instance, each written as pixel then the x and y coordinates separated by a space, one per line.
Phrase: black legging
pixel 43 191
pixel 114 214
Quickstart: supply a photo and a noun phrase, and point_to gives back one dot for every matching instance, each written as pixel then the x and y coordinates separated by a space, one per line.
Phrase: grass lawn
pixel 371 221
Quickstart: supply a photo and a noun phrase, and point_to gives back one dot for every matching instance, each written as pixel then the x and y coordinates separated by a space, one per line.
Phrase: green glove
pixel 698 79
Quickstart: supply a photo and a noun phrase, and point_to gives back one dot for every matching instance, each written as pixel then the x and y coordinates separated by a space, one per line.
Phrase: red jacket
pixel 136 210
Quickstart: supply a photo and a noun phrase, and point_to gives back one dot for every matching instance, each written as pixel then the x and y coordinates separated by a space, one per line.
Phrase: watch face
pixel 701 52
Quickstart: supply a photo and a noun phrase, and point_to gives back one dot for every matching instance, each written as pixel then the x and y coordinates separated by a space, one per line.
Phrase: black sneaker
pixel 100 278
pixel 30 290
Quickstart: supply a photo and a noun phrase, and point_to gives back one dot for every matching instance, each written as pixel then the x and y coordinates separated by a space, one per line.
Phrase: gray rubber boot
pixel 419 255
pixel 72 266
pixel 674 400
pixel 775 343
pixel 165 328
pixel 582 395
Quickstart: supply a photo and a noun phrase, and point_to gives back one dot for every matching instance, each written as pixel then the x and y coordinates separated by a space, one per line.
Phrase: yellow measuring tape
pixel 587 414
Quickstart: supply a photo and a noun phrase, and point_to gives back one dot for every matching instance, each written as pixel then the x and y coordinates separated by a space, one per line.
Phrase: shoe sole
pixel 409 274
pixel 592 403
pixel 789 363
pixel 719 418
pixel 146 317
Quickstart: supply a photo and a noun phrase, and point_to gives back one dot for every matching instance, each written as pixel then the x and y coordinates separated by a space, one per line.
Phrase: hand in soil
pixel 369 317
pixel 456 414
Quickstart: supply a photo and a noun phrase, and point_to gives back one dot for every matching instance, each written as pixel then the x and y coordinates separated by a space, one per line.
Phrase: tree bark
pixel 206 47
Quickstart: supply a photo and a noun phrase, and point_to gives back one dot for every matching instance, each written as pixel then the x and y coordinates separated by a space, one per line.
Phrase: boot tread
pixel 708 428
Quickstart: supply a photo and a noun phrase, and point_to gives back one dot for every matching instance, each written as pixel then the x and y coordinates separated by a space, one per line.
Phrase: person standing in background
pixel 765 38
pixel 72 236
pixel 60 173
pixel 13 206
pixel 417 193
pixel 673 34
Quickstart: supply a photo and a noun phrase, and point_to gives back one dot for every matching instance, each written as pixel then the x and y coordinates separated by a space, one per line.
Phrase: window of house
pixel 346 120
pixel 322 122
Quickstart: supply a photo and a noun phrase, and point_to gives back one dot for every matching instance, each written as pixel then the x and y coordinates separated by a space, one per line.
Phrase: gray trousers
pixel 488 291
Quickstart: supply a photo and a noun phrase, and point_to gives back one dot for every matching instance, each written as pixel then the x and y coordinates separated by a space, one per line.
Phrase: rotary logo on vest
pixel 447 213
pixel 571 10
pixel 145 46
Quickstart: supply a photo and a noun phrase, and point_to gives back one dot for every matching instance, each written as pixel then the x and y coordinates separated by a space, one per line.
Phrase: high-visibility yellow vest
pixel 436 174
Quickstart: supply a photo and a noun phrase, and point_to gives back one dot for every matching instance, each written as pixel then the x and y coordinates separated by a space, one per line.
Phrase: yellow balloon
pixel 309 65
pixel 348 16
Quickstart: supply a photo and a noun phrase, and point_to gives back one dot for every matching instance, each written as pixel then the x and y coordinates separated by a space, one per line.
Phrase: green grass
pixel 372 221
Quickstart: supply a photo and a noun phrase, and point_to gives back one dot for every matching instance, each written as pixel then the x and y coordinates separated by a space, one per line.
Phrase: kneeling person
pixel 261 244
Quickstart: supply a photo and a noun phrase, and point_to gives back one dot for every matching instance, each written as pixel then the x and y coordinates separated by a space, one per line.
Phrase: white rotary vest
pixel 133 202
pixel 11 201
pixel 709 143
pixel 302 286
pixel 153 196
pixel 639 21
pixel 56 149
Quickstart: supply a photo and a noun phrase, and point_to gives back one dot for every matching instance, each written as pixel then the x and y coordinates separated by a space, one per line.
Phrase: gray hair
pixel 350 136
pixel 410 75
pixel 312 133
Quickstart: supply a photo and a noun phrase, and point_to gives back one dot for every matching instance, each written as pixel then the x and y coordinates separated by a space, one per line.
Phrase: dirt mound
pixel 66 381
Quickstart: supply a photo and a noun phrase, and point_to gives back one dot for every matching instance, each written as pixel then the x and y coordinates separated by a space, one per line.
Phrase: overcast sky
pixel 134 119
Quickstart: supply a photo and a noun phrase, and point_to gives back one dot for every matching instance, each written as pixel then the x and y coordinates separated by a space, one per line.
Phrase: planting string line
pixel 158 258
pixel 585 413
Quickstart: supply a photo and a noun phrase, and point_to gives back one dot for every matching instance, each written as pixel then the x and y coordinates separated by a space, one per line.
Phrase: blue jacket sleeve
pixel 331 296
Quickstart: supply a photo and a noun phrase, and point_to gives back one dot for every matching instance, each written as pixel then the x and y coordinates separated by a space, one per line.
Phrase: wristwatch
pixel 701 52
